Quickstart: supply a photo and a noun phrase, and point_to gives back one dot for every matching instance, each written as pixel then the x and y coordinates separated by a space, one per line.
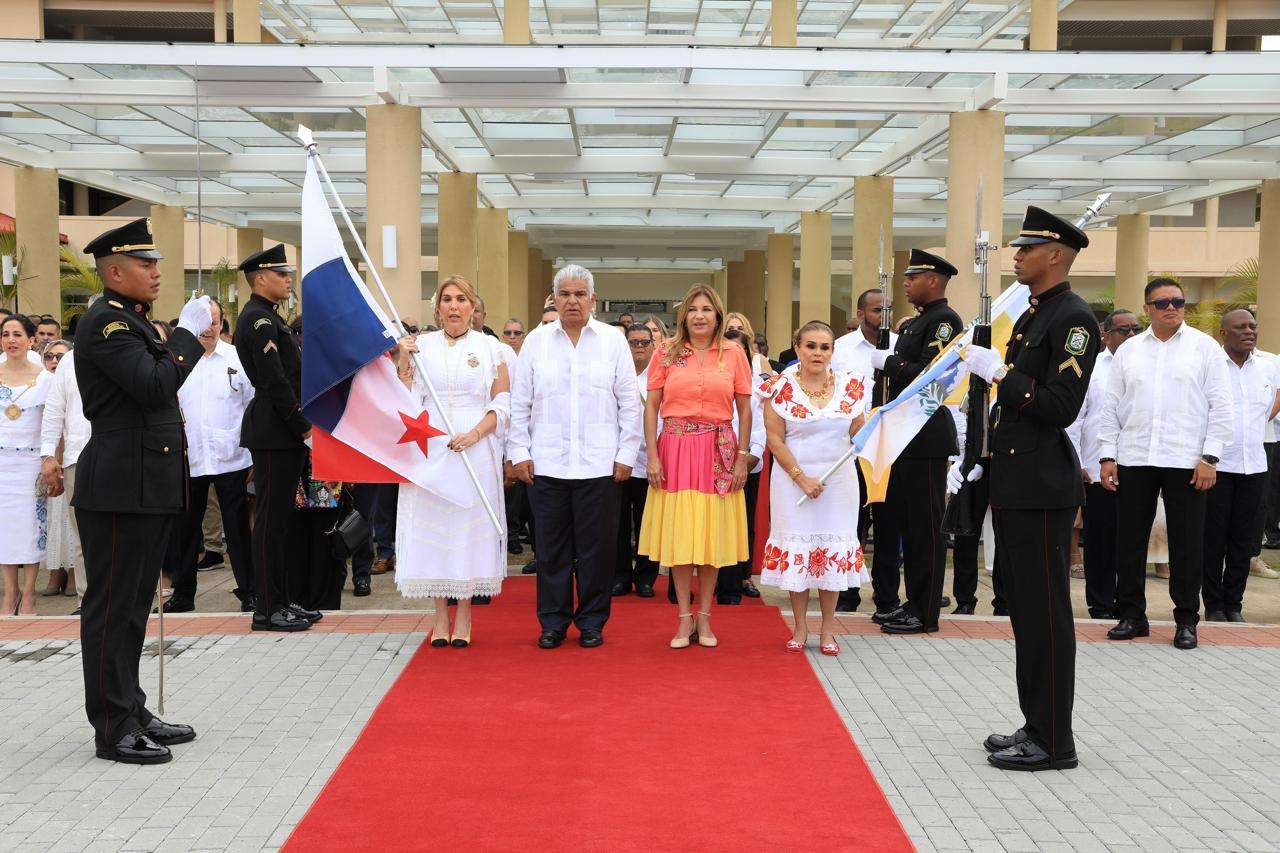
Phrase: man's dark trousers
pixel 1230 531
pixel 577 527
pixel 629 565
pixel 123 553
pixel 233 504
pixel 912 514
pixel 276 475
pixel 1184 509
pixel 1100 527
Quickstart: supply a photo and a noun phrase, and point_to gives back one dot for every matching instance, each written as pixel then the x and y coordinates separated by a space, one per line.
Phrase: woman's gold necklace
pixel 13 411
pixel 823 395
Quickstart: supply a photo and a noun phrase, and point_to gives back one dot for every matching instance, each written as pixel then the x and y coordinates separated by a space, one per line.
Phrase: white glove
pixel 879 357
pixel 196 316
pixel 955 479
pixel 984 362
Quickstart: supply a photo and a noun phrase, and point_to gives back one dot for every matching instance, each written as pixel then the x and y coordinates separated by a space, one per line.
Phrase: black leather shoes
pixel 644 590
pixel 1235 616
pixel 248 604
pixel 179 605
pixel 591 638
pixel 999 609
pixel 550 639
pixel 136 748
pixel 621 588
pixel 729 600
pixel 1028 755
pixel 1127 629
pixel 1215 616
pixel 529 568
pixel 963 610
pixel 167 734
pixel 1102 613
pixel 1185 637
pixel 908 624
pixel 995 743
pixel 362 587
pixel 750 590
pixel 514 547
pixel 309 615
pixel 946 601
pixel 880 617
pixel 283 619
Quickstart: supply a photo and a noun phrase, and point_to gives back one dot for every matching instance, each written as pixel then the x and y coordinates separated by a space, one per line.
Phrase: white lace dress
pixel 443 550
pixel 814 546
pixel 24 518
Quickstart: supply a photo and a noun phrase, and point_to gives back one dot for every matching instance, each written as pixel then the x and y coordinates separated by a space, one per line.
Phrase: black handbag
pixel 348 535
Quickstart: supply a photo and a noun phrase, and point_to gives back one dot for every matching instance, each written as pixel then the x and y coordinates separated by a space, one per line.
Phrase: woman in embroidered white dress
pixel 24 521
pixel 444 551
pixel 808 419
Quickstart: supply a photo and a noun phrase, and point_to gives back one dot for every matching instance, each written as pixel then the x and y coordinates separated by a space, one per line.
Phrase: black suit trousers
pixel 122 557
pixel 233 504
pixel 1270 504
pixel 1184 513
pixel 1100 527
pixel 1231 529
pixel 1035 546
pixel 577 528
pixel 629 566
pixel 276 475
pixel 912 514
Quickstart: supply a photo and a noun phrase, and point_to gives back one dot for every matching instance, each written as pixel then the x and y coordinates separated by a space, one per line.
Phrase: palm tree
pixel 78 280
pixel 9 246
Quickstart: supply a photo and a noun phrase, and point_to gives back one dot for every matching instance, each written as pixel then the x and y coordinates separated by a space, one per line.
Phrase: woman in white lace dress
pixel 442 550
pixel 808 417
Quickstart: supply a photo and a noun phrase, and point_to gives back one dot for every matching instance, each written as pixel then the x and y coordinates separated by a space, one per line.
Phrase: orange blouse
pixel 702 389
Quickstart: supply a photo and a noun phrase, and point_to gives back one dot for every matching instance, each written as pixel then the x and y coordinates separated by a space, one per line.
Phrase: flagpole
pixel 401 331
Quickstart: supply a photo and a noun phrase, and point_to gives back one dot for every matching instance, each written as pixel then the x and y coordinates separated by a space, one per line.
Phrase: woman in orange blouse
pixel 695 516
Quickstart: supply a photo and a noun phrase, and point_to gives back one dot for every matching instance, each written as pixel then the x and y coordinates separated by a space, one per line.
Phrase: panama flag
pixel 367 427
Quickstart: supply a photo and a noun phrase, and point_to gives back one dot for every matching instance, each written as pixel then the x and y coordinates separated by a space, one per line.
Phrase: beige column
pixel 515 22
pixel 393 180
pixel 1211 207
pixel 735 284
pixel 248 241
pixel 1044 25
pixel 220 21
pixel 548 273
pixel 1133 238
pixel 36 212
pixel 720 281
pixel 79 200
pixel 1219 35
pixel 492 264
pixel 518 278
pixel 815 267
pixel 246 22
pixel 753 262
pixel 168 226
pixel 779 287
pixel 537 292
pixel 457 228
pixel 976 152
pixel 22 19
pixel 902 307
pixel 1269 267
pixel 872 221
pixel 782 26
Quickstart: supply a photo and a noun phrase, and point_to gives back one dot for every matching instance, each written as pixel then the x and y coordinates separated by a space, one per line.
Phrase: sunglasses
pixel 1126 330
pixel 1164 304
pixel 54 356
pixel 511 333
pixel 640 344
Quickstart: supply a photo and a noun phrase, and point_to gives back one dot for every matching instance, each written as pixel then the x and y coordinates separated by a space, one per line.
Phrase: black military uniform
pixel 272 430
pixel 1035 491
pixel 913 505
pixel 131 484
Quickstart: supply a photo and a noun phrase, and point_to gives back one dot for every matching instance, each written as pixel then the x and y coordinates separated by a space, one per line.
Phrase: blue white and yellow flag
pixel 891 427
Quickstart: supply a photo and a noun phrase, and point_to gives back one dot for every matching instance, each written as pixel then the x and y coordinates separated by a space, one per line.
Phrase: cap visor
pixel 286 270
pixel 1029 241
pixel 146 254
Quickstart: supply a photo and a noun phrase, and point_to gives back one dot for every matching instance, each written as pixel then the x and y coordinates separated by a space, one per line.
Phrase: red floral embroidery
pixel 772 556
pixel 858 564
pixel 785 393
pixel 854 389
pixel 842 563
pixel 818 560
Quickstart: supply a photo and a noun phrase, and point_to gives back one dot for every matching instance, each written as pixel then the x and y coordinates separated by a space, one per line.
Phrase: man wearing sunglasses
pixel 513 334
pixel 1100 504
pixel 1166 420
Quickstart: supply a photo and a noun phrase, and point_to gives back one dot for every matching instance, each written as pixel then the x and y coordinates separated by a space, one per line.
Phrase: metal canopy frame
pixel 675 154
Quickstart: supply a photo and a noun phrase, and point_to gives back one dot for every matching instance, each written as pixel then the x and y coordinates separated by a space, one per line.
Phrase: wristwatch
pixel 1210 459
pixel 1106 459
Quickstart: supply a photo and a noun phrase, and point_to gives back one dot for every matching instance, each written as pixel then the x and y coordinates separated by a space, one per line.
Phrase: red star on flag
pixel 418 430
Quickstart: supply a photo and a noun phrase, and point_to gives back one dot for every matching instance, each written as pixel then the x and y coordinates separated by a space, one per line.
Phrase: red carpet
pixel 631 746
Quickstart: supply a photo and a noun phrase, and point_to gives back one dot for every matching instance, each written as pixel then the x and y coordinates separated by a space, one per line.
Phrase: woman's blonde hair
pixel 680 338
pixel 746 327
pixel 657 321
pixel 458 282
pixel 813 326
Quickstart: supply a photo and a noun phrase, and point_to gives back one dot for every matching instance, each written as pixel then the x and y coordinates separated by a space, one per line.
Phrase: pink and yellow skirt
pixel 694 519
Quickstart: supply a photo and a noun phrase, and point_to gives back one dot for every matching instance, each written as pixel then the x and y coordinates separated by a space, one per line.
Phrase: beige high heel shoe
pixel 703 639
pixel 681 642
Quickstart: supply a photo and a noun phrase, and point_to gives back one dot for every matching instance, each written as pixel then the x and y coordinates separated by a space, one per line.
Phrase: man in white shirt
pixel 213 401
pixel 632 568
pixel 575 429
pixel 1165 422
pixel 1231 517
pixel 513 333
pixel 64 421
pixel 1100 504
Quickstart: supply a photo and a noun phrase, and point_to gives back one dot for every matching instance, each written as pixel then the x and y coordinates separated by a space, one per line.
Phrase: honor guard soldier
pixel 131 483
pixel 913 505
pixel 1036 486
pixel 275 432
